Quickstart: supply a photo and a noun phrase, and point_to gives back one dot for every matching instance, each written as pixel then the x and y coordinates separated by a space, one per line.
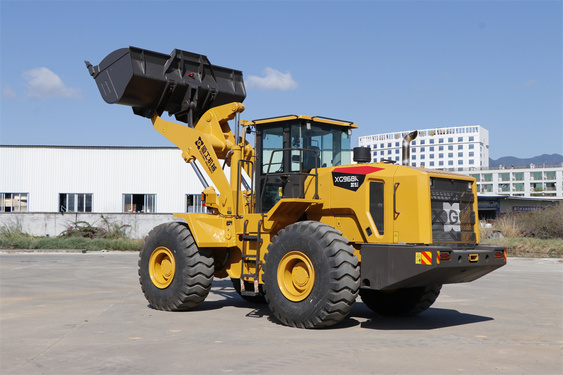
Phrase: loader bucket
pixel 184 84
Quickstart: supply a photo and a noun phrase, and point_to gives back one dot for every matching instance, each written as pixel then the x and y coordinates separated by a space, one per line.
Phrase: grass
pixel 533 234
pixel 13 238
pixel 24 241
pixel 529 247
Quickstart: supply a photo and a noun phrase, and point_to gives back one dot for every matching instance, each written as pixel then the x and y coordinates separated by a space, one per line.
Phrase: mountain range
pixel 537 160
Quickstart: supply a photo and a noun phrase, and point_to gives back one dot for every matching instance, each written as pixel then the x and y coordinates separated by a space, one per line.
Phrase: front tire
pixel 401 302
pixel 311 275
pixel 174 274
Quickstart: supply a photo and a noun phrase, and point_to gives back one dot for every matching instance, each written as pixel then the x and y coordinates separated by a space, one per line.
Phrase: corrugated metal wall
pixel 44 172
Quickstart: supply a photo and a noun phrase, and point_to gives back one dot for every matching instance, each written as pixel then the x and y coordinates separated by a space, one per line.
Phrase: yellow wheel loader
pixel 292 220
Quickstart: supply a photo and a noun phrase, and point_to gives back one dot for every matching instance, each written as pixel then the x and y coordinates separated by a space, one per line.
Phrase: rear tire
pixel 311 275
pixel 401 302
pixel 174 274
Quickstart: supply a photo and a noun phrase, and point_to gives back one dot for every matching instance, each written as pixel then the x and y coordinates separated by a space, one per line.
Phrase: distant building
pixel 520 181
pixel 465 150
pixel 454 148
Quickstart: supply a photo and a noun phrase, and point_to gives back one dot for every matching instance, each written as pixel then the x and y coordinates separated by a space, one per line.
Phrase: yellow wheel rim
pixel 162 267
pixel 296 276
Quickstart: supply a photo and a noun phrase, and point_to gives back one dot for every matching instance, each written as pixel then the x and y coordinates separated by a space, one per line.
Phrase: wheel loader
pixel 297 220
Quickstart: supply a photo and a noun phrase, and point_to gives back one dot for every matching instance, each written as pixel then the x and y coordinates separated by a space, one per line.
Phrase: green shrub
pixel 545 223
pixel 80 235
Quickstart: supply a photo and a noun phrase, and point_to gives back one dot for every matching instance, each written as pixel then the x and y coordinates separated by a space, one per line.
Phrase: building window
pixel 422 142
pixel 431 156
pixel 450 147
pixel 536 176
pixel 413 157
pixel 75 202
pixel 550 175
pixel 487 177
pixel 441 156
pixel 432 148
pixel 450 140
pixel 471 161
pixel 471 139
pixel 382 152
pixel 431 141
pixel 441 163
pixel 431 163
pixel 460 147
pixel 441 140
pixel 450 154
pixel 471 147
pixel 145 203
pixel 519 176
pixel 194 204
pixel 440 148
pixel 460 139
pixel 471 154
pixel 450 162
pixel 13 202
pixel 460 161
pixel 476 177
pixel 422 149
pixel 460 154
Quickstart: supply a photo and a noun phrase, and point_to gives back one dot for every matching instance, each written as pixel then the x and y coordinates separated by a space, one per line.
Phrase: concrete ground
pixel 85 314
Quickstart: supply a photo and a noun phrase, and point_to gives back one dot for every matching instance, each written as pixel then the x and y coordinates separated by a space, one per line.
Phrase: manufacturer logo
pixel 452 217
pixel 205 155
pixel 448 218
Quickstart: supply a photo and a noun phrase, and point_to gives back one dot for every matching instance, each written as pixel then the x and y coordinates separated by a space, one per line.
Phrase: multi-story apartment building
pixel 454 148
pixel 520 181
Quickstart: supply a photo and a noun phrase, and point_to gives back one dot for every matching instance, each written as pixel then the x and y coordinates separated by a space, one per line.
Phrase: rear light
pixel 203 199
pixel 501 254
pixel 444 256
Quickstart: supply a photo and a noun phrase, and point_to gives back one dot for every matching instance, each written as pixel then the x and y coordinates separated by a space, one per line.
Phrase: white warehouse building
pixel 454 148
pixel 96 179
pixel 46 189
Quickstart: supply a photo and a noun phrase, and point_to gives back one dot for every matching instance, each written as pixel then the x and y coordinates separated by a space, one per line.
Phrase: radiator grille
pixel 453 218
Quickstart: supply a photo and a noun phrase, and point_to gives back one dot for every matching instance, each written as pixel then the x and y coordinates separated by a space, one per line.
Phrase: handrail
pixel 251 187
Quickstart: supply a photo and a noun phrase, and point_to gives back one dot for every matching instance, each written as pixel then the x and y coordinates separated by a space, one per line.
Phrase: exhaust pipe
pixel 407 148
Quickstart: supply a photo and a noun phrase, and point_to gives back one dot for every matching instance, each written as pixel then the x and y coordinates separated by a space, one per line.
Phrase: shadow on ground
pixel 433 318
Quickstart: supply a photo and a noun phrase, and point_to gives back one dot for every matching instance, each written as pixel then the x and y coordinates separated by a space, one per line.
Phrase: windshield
pixel 331 144
pixel 328 144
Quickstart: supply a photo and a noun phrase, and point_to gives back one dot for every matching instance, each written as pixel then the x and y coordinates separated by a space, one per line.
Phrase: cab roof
pixel 318 119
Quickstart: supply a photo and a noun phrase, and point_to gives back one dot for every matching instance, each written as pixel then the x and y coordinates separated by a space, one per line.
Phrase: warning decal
pixel 424 257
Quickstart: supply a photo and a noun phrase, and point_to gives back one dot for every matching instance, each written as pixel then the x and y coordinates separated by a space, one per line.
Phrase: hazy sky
pixel 386 65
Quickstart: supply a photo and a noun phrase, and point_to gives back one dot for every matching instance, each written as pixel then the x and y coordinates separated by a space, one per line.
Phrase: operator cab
pixel 289 149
